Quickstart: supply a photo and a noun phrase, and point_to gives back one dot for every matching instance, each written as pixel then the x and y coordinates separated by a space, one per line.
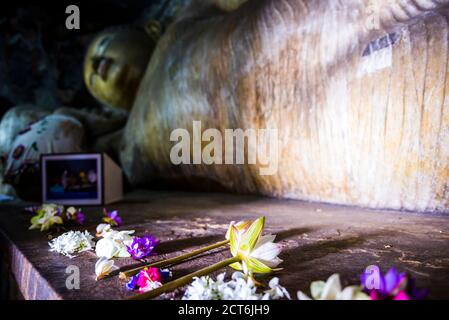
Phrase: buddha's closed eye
pixel 101 65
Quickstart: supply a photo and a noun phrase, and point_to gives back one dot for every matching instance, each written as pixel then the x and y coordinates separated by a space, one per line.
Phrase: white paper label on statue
pixel 378 55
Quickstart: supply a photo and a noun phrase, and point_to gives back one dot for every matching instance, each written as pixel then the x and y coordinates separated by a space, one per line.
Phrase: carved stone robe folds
pixel 357 90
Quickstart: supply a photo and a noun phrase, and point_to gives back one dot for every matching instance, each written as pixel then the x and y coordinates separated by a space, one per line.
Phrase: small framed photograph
pixel 80 179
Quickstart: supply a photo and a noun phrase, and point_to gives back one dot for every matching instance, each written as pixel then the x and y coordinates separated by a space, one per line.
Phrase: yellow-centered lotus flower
pixel 257 253
pixel 241 226
pixel 251 252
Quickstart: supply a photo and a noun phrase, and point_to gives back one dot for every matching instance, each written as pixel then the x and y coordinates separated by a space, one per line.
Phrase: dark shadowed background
pixel 41 61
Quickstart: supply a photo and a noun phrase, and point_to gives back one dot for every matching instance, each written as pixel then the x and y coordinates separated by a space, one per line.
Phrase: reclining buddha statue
pixel 356 90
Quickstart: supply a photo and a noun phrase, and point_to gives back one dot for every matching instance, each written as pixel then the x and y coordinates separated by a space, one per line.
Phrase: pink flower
pixel 402 296
pixel 391 286
pixel 149 278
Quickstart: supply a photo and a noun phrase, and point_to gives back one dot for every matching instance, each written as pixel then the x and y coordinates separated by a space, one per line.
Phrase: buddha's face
pixel 115 63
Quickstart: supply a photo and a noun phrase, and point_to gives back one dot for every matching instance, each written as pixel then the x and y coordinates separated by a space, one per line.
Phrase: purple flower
pixel 112 218
pixel 142 247
pixel 59 211
pixel 132 283
pixel 80 217
pixel 75 215
pixel 391 286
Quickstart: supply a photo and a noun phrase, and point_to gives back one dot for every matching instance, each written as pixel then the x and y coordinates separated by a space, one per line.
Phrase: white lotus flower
pixel 72 242
pixel 240 227
pixel 266 251
pixel 104 267
pixel 332 290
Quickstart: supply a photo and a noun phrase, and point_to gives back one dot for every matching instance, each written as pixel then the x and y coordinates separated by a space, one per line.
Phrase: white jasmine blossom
pixel 239 287
pixel 104 267
pixel 332 290
pixel 113 243
pixel 276 291
pixel 72 242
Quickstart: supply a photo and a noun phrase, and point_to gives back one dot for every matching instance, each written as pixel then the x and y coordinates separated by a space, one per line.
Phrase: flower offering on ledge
pixel 75 215
pixel 391 286
pixel 333 290
pixel 49 216
pixel 112 218
pixel 113 243
pixel 148 279
pixel 104 267
pixel 257 253
pixel 142 247
pixel 240 287
pixel 72 242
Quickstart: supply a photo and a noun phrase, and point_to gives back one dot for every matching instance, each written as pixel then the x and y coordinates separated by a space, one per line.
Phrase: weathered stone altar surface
pixel 318 240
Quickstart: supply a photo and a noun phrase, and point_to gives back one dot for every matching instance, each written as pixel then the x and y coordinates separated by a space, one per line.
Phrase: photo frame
pixel 87 179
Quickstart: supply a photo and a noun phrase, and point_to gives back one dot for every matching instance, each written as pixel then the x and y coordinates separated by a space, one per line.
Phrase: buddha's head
pixel 115 63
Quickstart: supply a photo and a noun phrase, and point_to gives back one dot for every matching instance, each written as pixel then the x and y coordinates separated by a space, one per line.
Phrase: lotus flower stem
pixel 172 261
pixel 172 285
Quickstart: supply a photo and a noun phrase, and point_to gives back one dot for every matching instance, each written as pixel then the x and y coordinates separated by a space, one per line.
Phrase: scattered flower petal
pixel 276 291
pixel 132 283
pixel 50 215
pixel 104 267
pixel 75 215
pixel 102 229
pixel 240 287
pixel 142 247
pixel 72 242
pixel 391 286
pixel 149 279
pixel 113 218
pixel 114 244
pixel 332 290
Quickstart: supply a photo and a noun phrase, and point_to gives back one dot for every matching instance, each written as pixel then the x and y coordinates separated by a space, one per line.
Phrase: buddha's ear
pixel 154 29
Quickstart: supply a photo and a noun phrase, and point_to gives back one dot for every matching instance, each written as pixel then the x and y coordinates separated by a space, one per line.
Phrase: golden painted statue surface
pixel 115 63
pixel 360 107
